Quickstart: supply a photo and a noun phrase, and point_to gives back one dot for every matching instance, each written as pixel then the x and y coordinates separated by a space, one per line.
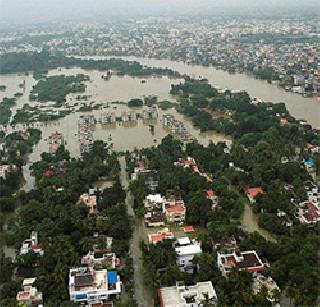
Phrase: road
pixel 143 294
pixel 250 221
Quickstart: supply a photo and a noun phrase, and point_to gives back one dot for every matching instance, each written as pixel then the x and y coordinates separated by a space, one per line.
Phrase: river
pixel 300 107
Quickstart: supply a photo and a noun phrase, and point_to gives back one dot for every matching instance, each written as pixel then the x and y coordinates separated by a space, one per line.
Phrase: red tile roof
pixel 211 193
pixel 188 229
pixel 177 207
pixel 254 191
pixel 312 214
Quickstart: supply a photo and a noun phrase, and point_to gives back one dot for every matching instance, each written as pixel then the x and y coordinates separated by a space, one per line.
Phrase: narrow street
pixel 142 292
pixel 250 222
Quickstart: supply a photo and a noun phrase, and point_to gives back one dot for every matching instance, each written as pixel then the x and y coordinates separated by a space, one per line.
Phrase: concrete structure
pixel 175 211
pixel 197 295
pixel 308 212
pixel 248 261
pixel 212 195
pixel 108 118
pixel 31 244
pixel 29 296
pixel 98 258
pixel 186 250
pixel 88 286
pixel 55 141
pixel 154 202
pixel 90 201
pixel 262 281
pixel 160 236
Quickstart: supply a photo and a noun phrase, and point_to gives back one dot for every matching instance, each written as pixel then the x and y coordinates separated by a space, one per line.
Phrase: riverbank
pixel 302 108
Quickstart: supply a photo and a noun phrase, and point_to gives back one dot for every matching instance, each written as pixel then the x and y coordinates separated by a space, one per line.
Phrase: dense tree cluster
pixel 40 62
pixel 55 88
pixel 64 227
pixel 5 112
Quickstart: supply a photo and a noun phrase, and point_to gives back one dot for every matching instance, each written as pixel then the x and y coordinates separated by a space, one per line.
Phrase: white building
pixel 31 244
pixel 154 201
pixel 29 296
pixel 201 294
pixel 186 250
pixel 88 286
pixel 4 169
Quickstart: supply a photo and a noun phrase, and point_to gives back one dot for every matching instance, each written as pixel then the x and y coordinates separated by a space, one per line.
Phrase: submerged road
pixel 143 294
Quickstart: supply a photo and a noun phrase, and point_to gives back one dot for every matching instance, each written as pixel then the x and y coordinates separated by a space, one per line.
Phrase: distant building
pixel 248 261
pixel 186 250
pixel 88 286
pixel 108 118
pixel 198 295
pixel 31 244
pixel 150 113
pixel 29 296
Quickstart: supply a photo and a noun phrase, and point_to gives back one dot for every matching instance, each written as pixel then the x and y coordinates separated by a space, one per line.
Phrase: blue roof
pixel 309 162
pixel 112 277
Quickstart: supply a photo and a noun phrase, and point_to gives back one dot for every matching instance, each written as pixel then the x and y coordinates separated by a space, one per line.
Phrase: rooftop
pixel 181 295
pixel 254 191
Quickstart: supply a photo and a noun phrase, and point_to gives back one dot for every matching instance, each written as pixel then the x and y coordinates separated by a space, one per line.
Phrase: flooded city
pixel 159 153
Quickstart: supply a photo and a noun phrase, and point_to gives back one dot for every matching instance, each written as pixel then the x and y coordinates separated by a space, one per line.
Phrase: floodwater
pixel 143 294
pixel 300 107
pixel 249 220
pixel 122 136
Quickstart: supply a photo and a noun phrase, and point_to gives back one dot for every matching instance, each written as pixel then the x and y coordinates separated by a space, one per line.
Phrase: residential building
pixel 160 236
pixel 248 261
pixel 88 285
pixel 55 141
pixel 308 212
pixel 272 288
pixel 186 250
pixel 252 193
pixel 212 195
pixel 108 118
pixel 31 244
pixel 226 244
pixel 90 201
pixel 101 257
pixel 175 211
pixel 197 295
pixel 154 202
pixel 29 296
pixel 154 219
